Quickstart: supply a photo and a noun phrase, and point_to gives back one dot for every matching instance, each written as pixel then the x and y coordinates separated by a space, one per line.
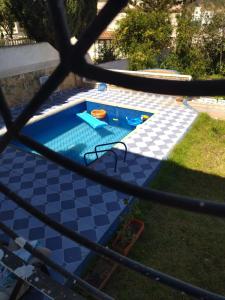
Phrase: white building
pixel 108 35
pixel 204 15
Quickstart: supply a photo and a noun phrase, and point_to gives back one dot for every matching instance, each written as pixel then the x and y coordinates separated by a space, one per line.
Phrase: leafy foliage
pixel 188 55
pixel 158 4
pixel 106 52
pixel 197 47
pixel 80 13
pixel 144 37
pixel 200 46
pixel 214 43
pixel 6 19
pixel 33 16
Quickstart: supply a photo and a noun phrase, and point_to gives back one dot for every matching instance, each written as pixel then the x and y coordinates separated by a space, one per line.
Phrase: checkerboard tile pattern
pixel 78 203
pixel 75 202
pixel 152 141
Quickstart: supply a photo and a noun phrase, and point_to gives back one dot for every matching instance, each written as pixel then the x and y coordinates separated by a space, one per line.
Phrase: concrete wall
pixel 159 74
pixel 27 58
pixel 121 64
pixel 19 89
pixel 21 68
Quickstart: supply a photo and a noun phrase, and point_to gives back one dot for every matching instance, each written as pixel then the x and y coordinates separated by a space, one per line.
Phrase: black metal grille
pixel 73 60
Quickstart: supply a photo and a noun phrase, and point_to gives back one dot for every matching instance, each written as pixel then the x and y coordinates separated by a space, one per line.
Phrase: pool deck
pixel 83 205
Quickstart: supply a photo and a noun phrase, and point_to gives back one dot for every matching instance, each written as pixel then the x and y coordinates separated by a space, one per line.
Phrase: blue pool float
pixel 93 122
pixel 134 121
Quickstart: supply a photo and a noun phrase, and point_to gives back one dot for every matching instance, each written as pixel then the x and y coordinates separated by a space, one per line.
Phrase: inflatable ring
pixel 98 113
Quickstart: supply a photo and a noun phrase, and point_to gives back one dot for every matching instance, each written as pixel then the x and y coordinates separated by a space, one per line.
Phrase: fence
pixel 72 60
pixel 16 42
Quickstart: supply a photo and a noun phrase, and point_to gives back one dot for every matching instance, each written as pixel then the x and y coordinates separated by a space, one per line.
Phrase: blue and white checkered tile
pixel 86 220
pixel 106 201
pixel 154 139
pixel 136 170
pixel 144 100
pixel 78 203
pixel 43 181
pixel 44 194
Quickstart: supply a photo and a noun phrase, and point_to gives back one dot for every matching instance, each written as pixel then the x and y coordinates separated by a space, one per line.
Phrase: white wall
pixel 16 60
pixel 121 64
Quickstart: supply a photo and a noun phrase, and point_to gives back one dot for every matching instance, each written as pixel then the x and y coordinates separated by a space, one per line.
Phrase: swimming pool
pixel 67 134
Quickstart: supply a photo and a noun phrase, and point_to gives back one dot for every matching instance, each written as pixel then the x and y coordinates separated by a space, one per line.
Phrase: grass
pixel 185 245
pixel 213 76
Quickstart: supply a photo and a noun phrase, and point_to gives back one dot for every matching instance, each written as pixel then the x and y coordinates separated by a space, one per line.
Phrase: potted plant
pixel 101 273
pixel 104 267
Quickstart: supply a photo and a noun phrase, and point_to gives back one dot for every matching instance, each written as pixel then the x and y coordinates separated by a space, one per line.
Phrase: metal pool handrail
pixel 100 151
pixel 112 143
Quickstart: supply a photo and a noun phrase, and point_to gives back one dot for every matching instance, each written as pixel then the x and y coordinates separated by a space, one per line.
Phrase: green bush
pixel 198 47
pixel 143 37
pixel 106 52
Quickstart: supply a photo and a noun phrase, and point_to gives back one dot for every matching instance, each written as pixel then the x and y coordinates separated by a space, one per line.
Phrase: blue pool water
pixel 67 134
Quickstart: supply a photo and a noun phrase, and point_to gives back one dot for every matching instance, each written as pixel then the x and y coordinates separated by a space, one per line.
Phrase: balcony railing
pixel 73 60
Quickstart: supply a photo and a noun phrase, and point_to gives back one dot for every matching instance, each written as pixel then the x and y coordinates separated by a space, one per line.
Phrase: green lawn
pixel 183 244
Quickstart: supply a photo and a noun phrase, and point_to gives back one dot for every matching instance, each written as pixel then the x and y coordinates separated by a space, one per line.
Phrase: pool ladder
pixel 96 151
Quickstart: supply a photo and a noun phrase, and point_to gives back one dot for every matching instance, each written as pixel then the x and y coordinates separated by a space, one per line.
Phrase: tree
pixel 83 13
pixel 214 42
pixel 106 52
pixel 200 45
pixel 144 37
pixel 148 5
pixel 33 16
pixel 188 55
pixel 6 19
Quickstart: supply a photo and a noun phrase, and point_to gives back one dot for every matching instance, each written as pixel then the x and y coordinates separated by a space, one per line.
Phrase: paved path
pixel 214 110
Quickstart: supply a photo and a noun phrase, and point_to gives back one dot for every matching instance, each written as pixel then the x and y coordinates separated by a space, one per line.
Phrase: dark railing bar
pixel 167 199
pixel 38 279
pixel 62 32
pixel 72 277
pixel 169 87
pixel 102 20
pixel 100 151
pixel 152 85
pixel 5 111
pixel 113 143
pixel 99 249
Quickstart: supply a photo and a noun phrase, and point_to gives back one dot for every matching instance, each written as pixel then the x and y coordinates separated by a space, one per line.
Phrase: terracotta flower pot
pixel 130 234
pixel 105 267
pixel 179 99
pixel 101 273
